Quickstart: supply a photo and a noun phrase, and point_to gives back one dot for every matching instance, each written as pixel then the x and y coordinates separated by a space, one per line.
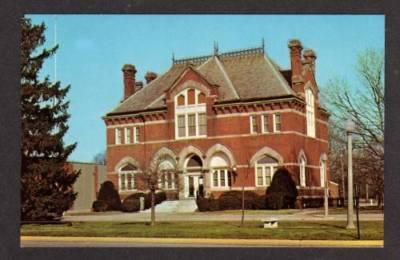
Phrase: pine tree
pixel 46 181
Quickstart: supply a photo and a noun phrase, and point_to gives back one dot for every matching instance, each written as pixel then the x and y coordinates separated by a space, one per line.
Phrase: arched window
pixel 322 172
pixel 310 113
pixel 126 177
pixel 265 169
pixel 220 177
pixel 302 171
pixel 167 178
pixel 190 116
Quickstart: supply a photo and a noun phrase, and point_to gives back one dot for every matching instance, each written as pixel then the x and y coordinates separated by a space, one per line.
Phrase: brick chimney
pixel 129 72
pixel 150 76
pixel 296 64
pixel 310 57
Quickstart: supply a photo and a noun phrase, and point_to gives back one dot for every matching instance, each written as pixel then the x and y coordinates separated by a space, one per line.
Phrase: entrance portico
pixel 192 177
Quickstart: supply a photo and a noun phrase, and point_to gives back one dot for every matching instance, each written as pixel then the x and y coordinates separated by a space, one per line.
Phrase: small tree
pixel 151 178
pixel 100 158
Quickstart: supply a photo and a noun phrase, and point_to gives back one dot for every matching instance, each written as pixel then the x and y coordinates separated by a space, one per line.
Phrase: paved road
pixel 303 215
pixel 187 242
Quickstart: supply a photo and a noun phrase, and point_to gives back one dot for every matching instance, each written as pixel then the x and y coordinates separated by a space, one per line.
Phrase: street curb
pixel 214 241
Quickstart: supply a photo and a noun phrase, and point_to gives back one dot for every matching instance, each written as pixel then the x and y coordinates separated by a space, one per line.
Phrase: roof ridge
pixel 234 53
pixel 225 74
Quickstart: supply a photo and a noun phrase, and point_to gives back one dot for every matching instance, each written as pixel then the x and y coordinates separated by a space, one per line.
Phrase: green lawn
pixel 370 230
pixel 252 212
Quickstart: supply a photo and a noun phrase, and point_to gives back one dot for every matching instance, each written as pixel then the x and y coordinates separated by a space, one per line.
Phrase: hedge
pixel 109 195
pixel 231 200
pixel 99 206
pixel 132 202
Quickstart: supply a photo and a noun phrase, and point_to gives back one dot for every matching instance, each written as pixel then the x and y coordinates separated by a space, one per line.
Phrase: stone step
pixel 173 206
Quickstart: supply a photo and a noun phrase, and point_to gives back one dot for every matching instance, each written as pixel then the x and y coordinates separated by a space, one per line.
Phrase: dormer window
pixel 190 114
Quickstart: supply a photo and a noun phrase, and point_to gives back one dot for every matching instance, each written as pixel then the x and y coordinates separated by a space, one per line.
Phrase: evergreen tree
pixel 46 180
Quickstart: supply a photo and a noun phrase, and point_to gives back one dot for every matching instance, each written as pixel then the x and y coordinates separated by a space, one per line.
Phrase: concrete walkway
pixel 301 215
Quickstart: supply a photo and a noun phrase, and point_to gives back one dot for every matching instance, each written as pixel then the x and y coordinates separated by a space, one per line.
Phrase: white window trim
pixel 251 123
pixel 274 122
pixel 186 110
pixel 263 166
pixel 302 173
pixel 132 173
pixel 118 136
pixel 310 112
pixel 135 137
pixel 219 170
pixel 127 132
pixel 263 130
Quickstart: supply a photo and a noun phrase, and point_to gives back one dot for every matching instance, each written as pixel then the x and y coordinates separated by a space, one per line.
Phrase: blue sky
pixel 93 49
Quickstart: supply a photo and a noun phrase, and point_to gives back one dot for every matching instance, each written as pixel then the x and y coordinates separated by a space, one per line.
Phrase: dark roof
pixel 240 75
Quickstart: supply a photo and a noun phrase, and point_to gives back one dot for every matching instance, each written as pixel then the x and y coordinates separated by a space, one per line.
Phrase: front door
pixel 191 186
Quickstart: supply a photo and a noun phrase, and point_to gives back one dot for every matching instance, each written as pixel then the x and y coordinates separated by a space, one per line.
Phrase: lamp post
pixel 324 158
pixel 349 130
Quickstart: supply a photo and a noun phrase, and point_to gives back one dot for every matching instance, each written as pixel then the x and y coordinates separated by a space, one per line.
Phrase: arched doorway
pixel 192 176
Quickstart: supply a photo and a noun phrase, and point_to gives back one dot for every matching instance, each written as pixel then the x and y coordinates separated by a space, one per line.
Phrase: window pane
pixel 202 124
pixel 259 176
pixel 253 124
pixel 137 133
pixel 222 177
pixel 127 135
pixel 265 119
pixel 267 175
pixel 277 122
pixel 192 124
pixel 129 177
pixel 123 184
pixel 117 136
pixel 169 180
pixel 181 125
pixel 215 179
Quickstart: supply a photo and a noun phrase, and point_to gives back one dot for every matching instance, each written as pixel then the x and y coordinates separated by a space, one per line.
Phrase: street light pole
pixel 350 222
pixel 324 172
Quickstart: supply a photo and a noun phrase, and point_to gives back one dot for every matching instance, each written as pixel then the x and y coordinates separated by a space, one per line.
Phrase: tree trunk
pixel 242 221
pixel 153 209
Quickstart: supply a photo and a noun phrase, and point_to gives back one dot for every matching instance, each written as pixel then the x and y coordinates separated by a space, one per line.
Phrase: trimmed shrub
pixel 160 197
pixel 233 200
pixel 282 192
pixel 99 206
pixel 203 204
pixel 214 204
pixel 260 202
pixel 110 195
pixel 131 205
pixel 276 200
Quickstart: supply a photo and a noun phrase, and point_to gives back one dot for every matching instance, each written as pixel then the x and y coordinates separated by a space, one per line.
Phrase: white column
pixel 350 223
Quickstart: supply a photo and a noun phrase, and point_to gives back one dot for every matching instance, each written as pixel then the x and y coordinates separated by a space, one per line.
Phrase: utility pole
pixel 350 222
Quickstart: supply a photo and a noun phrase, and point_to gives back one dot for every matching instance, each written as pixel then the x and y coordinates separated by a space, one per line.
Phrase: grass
pixel 315 230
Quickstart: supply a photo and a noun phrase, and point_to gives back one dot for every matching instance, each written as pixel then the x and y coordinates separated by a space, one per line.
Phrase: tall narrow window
pixel 253 124
pixel 265 123
pixel 192 124
pixel 127 177
pixel 277 122
pixel 310 115
pixel 136 134
pixel 302 172
pixel 127 135
pixel 260 178
pixel 118 136
pixel 202 124
pixel 181 126
pixel 215 178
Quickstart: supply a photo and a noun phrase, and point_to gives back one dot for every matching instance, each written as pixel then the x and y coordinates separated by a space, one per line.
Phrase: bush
pixel 132 202
pixel 283 192
pixel 260 202
pixel 233 200
pixel 276 200
pixel 160 197
pixel 203 204
pixel 110 195
pixel 99 206
pixel 214 204
pixel 131 205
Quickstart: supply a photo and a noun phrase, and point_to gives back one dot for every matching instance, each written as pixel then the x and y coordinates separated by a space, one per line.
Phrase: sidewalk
pixel 305 215
pixel 33 241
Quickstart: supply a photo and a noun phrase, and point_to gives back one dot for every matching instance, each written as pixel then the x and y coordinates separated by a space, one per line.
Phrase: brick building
pixel 221 121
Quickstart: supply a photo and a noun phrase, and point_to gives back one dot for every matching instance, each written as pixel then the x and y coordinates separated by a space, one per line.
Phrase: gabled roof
pixel 240 75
